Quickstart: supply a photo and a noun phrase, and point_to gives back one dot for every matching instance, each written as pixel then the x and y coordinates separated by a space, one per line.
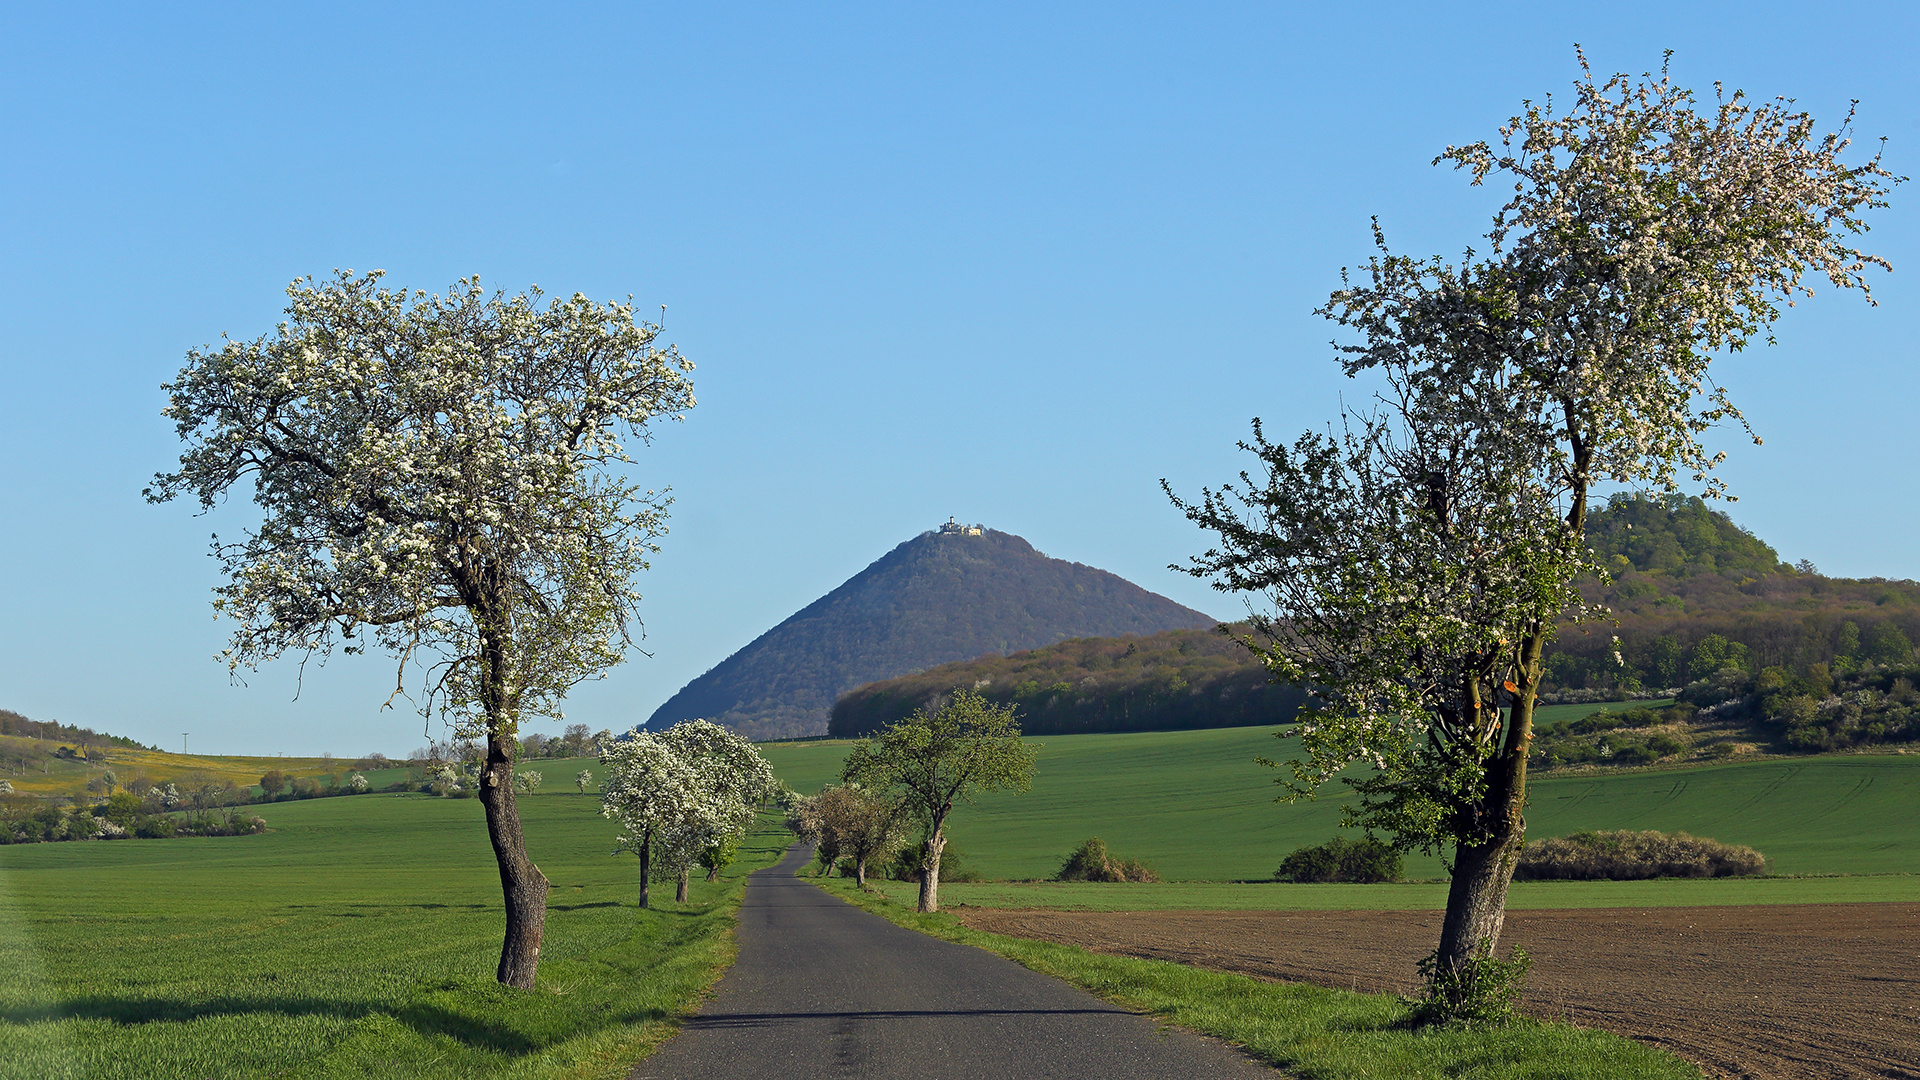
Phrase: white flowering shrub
pixel 527 782
pixel 583 780
pixel 357 782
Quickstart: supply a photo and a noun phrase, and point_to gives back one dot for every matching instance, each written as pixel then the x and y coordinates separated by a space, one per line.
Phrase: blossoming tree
pixel 678 793
pixel 1416 561
pixel 438 477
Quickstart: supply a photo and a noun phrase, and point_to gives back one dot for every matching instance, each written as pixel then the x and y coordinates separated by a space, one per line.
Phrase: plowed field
pixel 1782 992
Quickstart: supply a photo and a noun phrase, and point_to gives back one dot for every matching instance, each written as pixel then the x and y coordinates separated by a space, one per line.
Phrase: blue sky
pixel 1010 263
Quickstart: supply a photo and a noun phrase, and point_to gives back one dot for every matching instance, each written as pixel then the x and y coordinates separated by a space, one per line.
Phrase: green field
pixel 358 938
pixel 1194 806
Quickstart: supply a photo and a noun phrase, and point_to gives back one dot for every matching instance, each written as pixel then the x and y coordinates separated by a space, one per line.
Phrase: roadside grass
pixel 1195 807
pixel 1311 1032
pixel 1408 896
pixel 356 939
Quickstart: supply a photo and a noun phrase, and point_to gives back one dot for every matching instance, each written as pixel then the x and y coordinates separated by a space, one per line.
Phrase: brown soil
pixel 1790 991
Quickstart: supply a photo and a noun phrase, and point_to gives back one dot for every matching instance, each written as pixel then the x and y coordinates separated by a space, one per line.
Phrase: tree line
pixel 1171 681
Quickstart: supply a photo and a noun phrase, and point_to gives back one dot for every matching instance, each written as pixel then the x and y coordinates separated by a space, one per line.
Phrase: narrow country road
pixel 825 991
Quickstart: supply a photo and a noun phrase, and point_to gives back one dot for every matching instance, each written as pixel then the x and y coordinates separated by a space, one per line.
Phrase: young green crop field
pixel 1194 806
pixel 357 938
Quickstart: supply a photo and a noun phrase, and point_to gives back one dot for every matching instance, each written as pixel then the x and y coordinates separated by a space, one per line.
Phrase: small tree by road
pixel 441 477
pixel 849 821
pixel 932 760
pixel 810 827
pixel 1415 562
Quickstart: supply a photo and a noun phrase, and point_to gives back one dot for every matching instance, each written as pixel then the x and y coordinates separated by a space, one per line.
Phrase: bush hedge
pixel 1632 856
pixel 1091 862
pixel 1366 861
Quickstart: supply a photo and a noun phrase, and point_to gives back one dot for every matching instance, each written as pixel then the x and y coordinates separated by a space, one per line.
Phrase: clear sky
pixel 1009 263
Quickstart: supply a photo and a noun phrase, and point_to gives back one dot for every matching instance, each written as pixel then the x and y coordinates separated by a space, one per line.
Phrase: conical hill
pixel 952 594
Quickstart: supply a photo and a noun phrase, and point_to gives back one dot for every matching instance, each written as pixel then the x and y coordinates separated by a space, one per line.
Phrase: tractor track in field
pixel 1770 992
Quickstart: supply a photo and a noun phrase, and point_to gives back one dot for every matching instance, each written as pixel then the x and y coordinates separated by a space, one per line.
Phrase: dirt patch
pixel 1787 992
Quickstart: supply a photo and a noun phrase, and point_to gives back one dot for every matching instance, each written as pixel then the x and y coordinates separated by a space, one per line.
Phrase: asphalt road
pixel 823 990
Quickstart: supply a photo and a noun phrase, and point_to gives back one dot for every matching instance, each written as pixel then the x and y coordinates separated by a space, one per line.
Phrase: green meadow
pixel 1194 806
pixel 357 938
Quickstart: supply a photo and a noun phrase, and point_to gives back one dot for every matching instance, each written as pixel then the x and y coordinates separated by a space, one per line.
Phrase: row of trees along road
pixel 1414 562
pixel 438 477
pixel 681 796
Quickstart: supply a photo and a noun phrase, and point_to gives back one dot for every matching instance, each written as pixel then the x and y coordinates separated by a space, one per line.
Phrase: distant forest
pixel 1703 609
pixel 1171 681
pixel 1694 593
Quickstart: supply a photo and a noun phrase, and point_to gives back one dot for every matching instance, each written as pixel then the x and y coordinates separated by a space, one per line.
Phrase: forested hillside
pixel 1162 682
pixel 1693 593
pixel 940 597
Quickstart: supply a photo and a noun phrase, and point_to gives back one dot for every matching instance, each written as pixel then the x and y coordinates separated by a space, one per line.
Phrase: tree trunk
pixel 1483 868
pixel 860 873
pixel 680 885
pixel 713 872
pixel 646 866
pixel 1477 901
pixel 524 886
pixel 930 872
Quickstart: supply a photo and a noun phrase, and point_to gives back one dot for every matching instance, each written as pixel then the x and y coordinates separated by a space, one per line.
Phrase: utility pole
pixel 183 743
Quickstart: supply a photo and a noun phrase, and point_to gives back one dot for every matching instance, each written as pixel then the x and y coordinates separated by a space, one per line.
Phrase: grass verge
pixel 1310 1032
pixel 1409 896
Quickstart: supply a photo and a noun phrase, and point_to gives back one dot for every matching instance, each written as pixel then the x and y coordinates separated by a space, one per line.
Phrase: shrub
pixel 1633 856
pixel 906 866
pixel 154 828
pixel 1091 862
pixel 1481 993
pixel 1340 859
pixel 120 808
